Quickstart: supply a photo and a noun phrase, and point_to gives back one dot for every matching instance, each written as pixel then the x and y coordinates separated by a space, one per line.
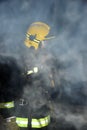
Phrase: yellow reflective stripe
pixel 7 105
pixel 36 123
pixel 22 122
pixel 42 122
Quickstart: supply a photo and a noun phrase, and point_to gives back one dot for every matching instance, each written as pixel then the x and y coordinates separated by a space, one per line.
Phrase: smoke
pixel 68 23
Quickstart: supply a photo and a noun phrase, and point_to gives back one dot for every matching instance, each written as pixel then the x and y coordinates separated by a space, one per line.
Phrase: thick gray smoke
pixel 68 21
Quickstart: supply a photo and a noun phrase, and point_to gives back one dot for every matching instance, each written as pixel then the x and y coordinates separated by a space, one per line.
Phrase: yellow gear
pixel 36 33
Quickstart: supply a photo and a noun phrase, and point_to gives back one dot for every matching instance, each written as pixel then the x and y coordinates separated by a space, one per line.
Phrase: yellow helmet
pixel 36 33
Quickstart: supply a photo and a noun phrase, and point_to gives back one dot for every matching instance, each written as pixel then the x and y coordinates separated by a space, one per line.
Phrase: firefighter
pixel 36 73
pixel 11 87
